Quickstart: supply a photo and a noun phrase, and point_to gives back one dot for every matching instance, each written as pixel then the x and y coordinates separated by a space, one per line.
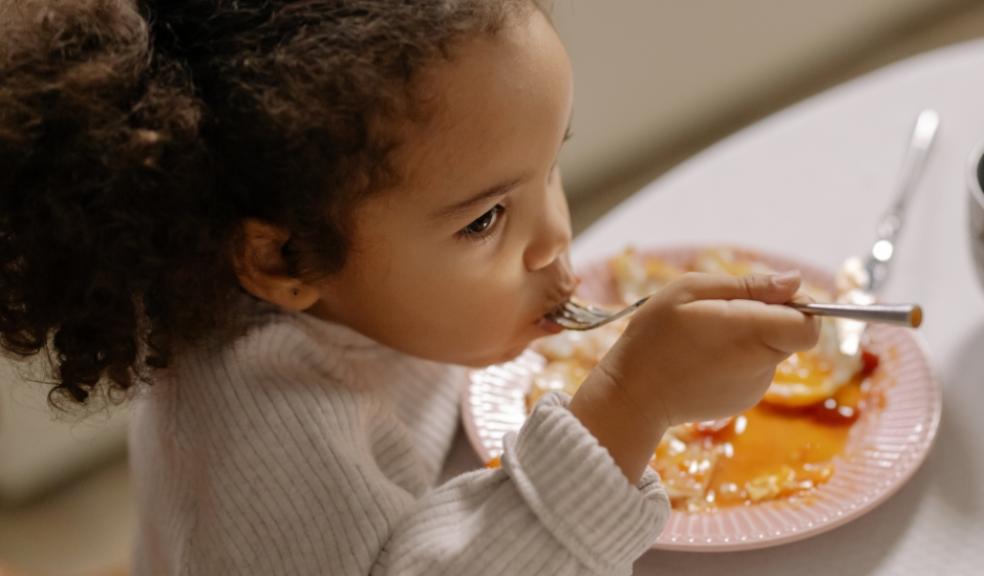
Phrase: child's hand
pixel 707 346
pixel 704 347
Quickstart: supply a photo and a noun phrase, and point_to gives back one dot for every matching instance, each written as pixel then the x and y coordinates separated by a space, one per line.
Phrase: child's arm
pixel 557 506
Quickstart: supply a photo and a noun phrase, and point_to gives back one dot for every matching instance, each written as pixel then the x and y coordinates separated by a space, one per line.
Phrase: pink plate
pixel 884 449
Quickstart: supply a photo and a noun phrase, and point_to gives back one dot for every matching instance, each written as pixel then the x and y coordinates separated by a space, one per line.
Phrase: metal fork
pixel 573 315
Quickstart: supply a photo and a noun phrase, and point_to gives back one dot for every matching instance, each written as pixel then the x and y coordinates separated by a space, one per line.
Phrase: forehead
pixel 490 110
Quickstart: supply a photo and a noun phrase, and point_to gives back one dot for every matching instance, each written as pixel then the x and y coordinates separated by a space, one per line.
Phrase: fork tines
pixel 575 316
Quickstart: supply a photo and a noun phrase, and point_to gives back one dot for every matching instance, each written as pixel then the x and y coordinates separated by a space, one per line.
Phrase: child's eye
pixel 484 224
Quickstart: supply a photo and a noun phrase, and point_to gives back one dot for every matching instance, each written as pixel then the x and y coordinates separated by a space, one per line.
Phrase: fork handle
pixel 910 315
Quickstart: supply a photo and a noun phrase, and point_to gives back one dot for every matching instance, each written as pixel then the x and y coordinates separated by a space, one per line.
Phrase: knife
pixel 860 278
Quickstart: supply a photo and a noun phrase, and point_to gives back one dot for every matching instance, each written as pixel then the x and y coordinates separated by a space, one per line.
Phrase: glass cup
pixel 975 209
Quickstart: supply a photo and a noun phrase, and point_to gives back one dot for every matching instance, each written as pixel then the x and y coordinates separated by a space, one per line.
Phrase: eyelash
pixel 553 169
pixel 492 216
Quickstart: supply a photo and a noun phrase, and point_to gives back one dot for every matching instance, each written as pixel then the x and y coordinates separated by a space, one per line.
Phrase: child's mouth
pixel 549 326
pixel 546 322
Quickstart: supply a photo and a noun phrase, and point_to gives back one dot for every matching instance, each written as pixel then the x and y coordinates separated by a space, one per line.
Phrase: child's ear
pixel 258 261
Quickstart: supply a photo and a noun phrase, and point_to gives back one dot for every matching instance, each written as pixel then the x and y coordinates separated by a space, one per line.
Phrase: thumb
pixel 767 288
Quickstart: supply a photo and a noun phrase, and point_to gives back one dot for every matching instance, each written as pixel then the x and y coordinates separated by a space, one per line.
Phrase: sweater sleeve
pixel 558 505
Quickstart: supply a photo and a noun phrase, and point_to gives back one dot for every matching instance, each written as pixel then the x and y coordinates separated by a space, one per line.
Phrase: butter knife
pixel 860 278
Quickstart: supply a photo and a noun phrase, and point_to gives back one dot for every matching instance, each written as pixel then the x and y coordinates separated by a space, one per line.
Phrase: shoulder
pixel 277 350
pixel 279 381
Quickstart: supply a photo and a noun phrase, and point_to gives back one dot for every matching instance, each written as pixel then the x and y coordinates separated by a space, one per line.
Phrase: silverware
pixel 574 315
pixel 910 315
pixel 860 279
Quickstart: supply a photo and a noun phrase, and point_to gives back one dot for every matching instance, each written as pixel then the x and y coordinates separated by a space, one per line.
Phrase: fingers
pixel 750 301
pixel 768 288
pixel 780 328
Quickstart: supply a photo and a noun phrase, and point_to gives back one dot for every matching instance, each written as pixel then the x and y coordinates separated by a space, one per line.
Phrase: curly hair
pixel 136 137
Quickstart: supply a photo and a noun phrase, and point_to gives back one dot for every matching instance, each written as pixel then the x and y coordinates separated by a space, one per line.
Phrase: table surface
pixel 812 182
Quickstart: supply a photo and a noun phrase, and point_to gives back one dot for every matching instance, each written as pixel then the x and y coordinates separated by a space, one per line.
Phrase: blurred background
pixel 656 81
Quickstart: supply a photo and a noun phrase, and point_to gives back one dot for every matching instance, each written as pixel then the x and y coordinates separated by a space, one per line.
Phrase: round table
pixel 811 182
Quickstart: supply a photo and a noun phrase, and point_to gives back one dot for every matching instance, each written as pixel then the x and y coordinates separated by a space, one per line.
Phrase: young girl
pixel 285 229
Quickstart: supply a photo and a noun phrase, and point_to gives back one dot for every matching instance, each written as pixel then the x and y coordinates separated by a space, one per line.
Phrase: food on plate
pixel 782 448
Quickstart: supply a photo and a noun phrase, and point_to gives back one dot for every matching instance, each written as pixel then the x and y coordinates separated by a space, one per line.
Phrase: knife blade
pixel 859 279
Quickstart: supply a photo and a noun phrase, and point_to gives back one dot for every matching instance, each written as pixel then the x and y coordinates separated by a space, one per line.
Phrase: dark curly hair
pixel 136 136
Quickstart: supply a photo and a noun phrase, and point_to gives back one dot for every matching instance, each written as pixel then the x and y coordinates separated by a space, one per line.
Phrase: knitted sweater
pixel 304 447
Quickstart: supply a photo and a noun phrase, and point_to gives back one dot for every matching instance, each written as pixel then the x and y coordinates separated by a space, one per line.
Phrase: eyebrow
pixel 502 189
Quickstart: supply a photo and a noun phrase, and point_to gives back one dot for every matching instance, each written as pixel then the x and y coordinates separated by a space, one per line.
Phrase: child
pixel 299 221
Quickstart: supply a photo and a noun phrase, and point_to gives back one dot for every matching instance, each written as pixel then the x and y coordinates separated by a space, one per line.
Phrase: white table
pixel 811 182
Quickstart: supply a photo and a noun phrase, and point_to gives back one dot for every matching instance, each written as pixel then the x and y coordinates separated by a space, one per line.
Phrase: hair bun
pixel 99 163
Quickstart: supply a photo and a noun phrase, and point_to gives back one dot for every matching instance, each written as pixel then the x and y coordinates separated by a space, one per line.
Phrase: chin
pixel 511 354
pixel 495 358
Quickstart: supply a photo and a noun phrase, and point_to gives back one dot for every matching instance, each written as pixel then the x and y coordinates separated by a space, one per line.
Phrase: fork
pixel 573 315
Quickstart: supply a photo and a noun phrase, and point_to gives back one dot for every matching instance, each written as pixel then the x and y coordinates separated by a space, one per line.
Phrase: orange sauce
pixel 773 452
pixel 773 447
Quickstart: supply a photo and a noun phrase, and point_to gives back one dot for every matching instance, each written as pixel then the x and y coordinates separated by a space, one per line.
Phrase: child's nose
pixel 551 234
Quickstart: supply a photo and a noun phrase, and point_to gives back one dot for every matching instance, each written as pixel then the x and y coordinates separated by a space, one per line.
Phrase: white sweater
pixel 304 447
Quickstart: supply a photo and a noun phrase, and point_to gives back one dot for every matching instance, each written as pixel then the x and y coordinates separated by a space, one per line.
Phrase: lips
pixel 549 326
pixel 559 298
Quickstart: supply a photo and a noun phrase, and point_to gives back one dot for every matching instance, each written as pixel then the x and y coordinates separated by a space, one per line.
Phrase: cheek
pixel 453 318
pixel 495 301
pixel 504 288
pixel 467 301
pixel 456 289
pixel 484 312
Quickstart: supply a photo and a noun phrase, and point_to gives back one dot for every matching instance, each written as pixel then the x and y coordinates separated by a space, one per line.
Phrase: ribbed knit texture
pixel 305 448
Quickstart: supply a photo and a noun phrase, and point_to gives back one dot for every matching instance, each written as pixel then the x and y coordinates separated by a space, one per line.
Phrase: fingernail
pixel 786 279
